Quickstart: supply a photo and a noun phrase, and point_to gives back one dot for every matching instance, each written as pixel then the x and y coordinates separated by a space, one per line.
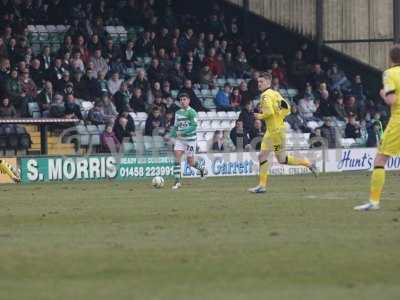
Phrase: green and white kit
pixel 185 131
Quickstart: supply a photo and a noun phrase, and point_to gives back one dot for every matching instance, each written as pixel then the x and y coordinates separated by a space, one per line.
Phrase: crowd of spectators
pixel 187 52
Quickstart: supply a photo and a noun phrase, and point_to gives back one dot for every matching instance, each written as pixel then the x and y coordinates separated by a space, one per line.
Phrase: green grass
pixel 210 240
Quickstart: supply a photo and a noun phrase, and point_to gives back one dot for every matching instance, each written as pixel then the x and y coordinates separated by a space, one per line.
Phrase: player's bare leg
pixel 177 169
pixel 377 183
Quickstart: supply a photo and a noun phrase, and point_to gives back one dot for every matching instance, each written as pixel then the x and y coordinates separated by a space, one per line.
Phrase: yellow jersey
pixel 390 143
pixel 274 109
pixel 391 84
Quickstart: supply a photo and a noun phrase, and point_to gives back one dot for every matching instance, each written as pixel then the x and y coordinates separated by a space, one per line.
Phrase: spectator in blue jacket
pixel 222 99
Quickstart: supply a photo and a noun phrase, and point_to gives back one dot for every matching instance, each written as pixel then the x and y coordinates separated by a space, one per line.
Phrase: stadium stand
pixel 90 53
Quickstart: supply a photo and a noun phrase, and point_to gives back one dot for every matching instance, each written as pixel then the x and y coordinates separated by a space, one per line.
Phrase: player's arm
pixel 389 89
pixel 192 125
pixel 267 109
pixel 389 98
pixel 284 107
pixel 172 132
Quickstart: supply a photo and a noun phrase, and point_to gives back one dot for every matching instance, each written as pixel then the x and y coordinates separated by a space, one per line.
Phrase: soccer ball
pixel 158 182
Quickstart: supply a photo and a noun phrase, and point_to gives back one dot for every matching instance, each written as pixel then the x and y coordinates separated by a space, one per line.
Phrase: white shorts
pixel 189 147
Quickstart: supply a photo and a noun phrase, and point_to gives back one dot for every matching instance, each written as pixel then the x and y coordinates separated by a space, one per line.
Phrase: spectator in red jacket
pixel 80 46
pixel 236 99
pixel 278 72
pixel 211 61
pixel 220 66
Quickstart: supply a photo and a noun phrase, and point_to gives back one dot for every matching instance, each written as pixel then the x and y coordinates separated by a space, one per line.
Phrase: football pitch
pixel 209 240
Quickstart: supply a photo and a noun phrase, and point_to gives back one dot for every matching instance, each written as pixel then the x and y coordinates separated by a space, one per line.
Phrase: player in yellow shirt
pixel 10 171
pixel 390 143
pixel 274 111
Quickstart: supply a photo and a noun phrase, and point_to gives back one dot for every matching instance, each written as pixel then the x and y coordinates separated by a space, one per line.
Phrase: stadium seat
pixel 147 61
pixel 42 31
pixel 312 125
pixel 202 115
pixel 122 33
pixel 239 81
pixel 36 48
pixel 347 142
pixel 143 124
pixel 216 124
pixel 101 128
pixel 83 135
pixel 128 147
pixel 208 135
pixel 158 142
pixel 34 110
pixel 141 116
pixel 95 140
pixel 284 93
pixel 297 141
pixel 222 115
pixel 51 28
pixel 212 114
pixel 174 93
pixel 197 93
pixel 140 61
pixel 206 93
pixel 200 136
pixel 94 133
pixel 130 72
pixel 147 143
pixel 231 115
pixel 153 144
pixel 340 123
pixel 205 124
pixel 226 124
pixel 92 129
pixel 231 81
pixel 202 146
pixel 62 28
pixel 292 93
pixel 221 82
pixel 209 103
pixel 134 116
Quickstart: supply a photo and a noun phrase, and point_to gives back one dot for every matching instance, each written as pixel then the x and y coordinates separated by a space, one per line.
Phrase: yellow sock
pixel 377 183
pixel 263 173
pixel 292 161
pixel 5 168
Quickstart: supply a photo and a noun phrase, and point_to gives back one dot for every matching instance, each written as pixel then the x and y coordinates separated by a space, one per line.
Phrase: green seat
pixel 128 148
pixel 55 47
pixel 209 103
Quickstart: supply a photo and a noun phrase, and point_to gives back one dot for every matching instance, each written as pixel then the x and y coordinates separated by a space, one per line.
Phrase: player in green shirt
pixel 185 134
